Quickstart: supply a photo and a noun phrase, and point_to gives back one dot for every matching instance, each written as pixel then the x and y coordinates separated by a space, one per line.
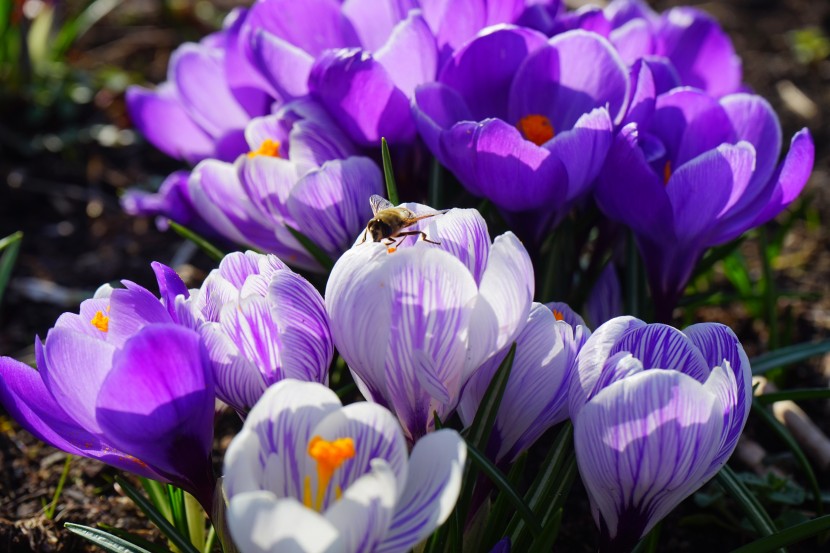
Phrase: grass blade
pixel 316 252
pixel 10 246
pixel 788 536
pixel 759 518
pixel 104 539
pixel 501 482
pixel 787 356
pixel 133 539
pixel 156 517
pixel 50 511
pixel 176 496
pixel 389 174
pixel 212 251
pixel 158 495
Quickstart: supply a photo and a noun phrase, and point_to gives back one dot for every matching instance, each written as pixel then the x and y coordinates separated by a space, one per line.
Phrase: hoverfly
pixel 389 221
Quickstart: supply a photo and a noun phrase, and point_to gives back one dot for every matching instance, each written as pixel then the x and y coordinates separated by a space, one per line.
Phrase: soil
pixel 64 164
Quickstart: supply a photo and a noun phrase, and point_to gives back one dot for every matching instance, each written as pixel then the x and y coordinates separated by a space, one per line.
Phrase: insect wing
pixel 379 203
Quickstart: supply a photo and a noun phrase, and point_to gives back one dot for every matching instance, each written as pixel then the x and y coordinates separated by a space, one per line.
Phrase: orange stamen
pixel 270 148
pixel 329 456
pixel 666 172
pixel 536 128
pixel 558 315
pixel 101 321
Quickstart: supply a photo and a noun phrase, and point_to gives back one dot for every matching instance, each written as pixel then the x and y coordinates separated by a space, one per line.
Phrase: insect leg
pixel 366 230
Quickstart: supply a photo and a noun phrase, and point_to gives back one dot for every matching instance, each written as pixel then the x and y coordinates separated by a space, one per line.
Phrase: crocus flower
pixel 300 172
pixel 307 474
pixel 123 383
pixel 695 173
pixel 656 413
pixel 536 395
pixel 524 121
pixel 196 113
pixel 261 323
pixel 414 322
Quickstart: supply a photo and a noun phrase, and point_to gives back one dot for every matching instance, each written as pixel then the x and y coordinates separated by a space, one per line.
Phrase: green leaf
pixel 794 395
pixel 479 432
pixel 787 356
pixel 158 495
pixel 499 515
pixel 10 246
pixel 498 478
pixel 316 252
pixel 787 438
pixel 212 251
pixel 104 539
pixel 544 543
pixel 176 496
pixel 182 543
pixel 759 518
pixel 714 255
pixel 133 539
pixel 388 174
pixel 788 536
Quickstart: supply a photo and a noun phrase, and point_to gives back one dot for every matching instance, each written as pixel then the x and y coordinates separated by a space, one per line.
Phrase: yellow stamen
pixel 666 172
pixel 329 456
pixel 101 321
pixel 536 128
pixel 558 315
pixel 270 148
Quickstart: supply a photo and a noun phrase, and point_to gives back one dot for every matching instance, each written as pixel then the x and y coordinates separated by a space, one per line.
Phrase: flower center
pixel 270 148
pixel 536 128
pixel 101 321
pixel 329 456
pixel 558 315
pixel 666 172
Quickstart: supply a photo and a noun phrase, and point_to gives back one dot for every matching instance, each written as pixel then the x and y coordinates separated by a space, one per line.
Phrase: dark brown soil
pixel 64 197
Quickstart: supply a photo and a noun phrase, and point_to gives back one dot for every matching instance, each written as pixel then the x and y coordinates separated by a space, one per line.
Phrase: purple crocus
pixel 525 121
pixel 261 323
pixel 123 383
pixel 536 396
pixel 301 173
pixel 307 474
pixel 414 322
pixel 656 413
pixel 692 171
pixel 198 113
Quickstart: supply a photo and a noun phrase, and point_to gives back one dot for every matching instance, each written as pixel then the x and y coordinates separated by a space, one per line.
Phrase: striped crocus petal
pixel 536 394
pixel 643 444
pixel 432 488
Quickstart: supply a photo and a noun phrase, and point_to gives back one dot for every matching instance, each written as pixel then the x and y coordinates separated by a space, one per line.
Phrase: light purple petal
pixel 284 65
pixel 605 300
pixel 437 107
pixel 634 40
pixel 374 20
pixel 329 204
pixel 410 56
pixel 642 446
pixel 131 309
pixel 306 347
pixel 238 381
pixel 457 21
pixel 170 285
pixel 463 233
pixel 198 74
pixel 432 488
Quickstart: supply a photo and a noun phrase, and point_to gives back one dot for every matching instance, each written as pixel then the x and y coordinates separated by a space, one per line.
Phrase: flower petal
pixel 260 522
pixel 239 383
pixel 659 346
pixel 409 56
pixel 643 445
pixel 432 488
pixel 437 107
pixel 285 65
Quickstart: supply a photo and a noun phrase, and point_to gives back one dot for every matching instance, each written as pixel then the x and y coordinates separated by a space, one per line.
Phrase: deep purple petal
pixel 494 160
pixel 574 73
pixel 170 285
pixel 157 404
pixel 436 108
pixel 483 70
pixel 457 21
pixel 132 308
pixel 659 346
pixel 700 50
pixel 343 79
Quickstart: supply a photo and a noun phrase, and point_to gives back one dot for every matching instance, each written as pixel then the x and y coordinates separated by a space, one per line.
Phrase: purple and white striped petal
pixel 239 382
pixel 432 488
pixel 643 445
